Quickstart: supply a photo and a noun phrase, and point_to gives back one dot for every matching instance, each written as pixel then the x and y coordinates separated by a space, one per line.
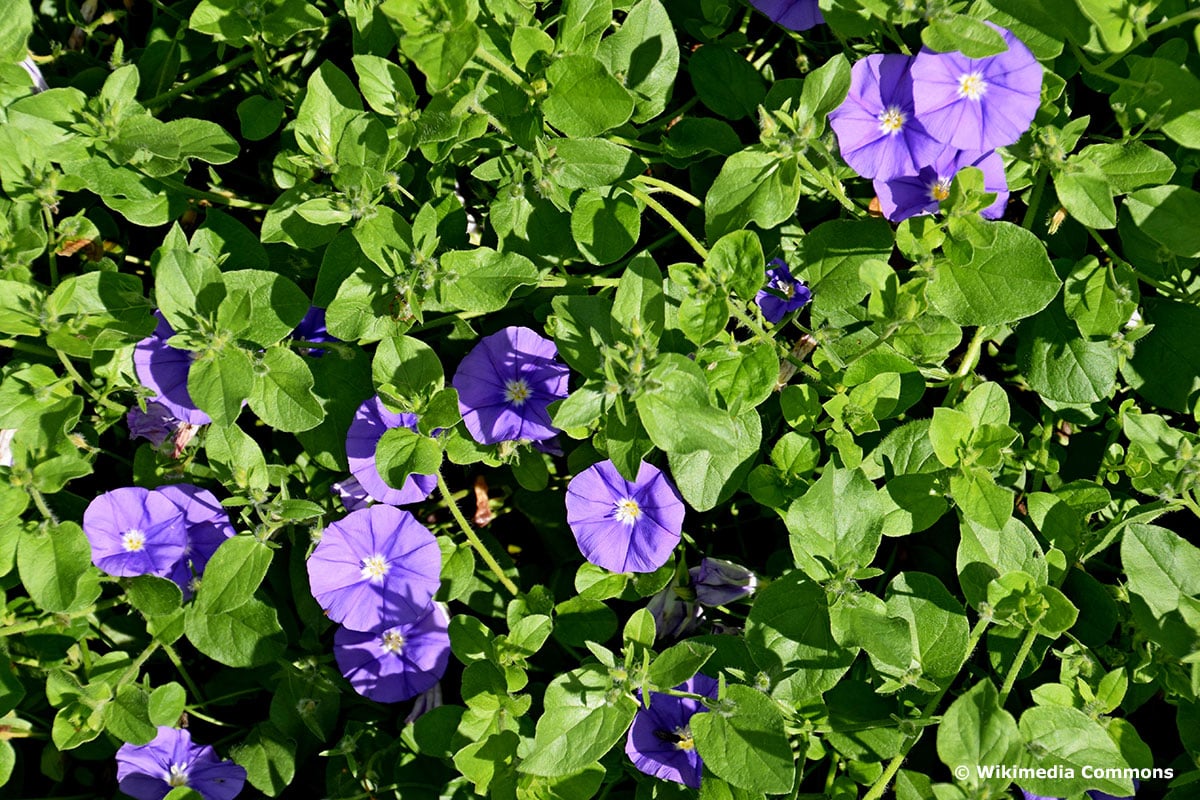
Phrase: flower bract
pixel 151 771
pixel 376 567
pixel 505 384
pixel 165 370
pixel 134 531
pixel 660 739
pixel 977 103
pixel 624 526
pixel 398 662
pixel 370 422
pixel 782 294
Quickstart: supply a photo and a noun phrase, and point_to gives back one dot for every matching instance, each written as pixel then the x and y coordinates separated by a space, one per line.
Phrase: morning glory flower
pixel 878 133
pixel 312 329
pixel 134 531
pixel 909 195
pixel 155 424
pixel 505 383
pixel 398 662
pixel 718 582
pixel 795 15
pixel 165 370
pixel 370 422
pixel 977 103
pixel 151 771
pixel 207 524
pixel 782 294
pixel 375 568
pixel 624 526
pixel 660 739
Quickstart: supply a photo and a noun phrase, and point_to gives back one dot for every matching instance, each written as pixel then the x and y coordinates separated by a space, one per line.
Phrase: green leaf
pixel 14 36
pixel 440 46
pixel 402 452
pixel 825 87
pixel 836 252
pixel 980 499
pixel 1165 368
pixel 606 224
pixel 282 395
pixel 985 554
pixel 1068 738
pixel 586 714
pixel 584 99
pixel 644 52
pixel 277 304
pixel 1009 280
pixel 1113 19
pixel 582 785
pixel 736 261
pixel 219 381
pixel 709 475
pixel 1100 298
pixel 186 286
pixel 56 568
pixel 127 715
pixel 1063 366
pixel 1129 165
pixel 677 412
pixel 482 279
pixel 385 85
pixel 1164 213
pixel 153 596
pixel 407 368
pixel 235 457
pixel 330 104
pixel 1087 195
pixel 246 636
pixel 639 303
pixel 937 624
pixel 976 730
pixel 1164 585
pixel 167 703
pixel 269 758
pixel 233 575
pixel 259 116
pixel 679 663
pixel 752 186
pixel 837 523
pixel 743 741
pixel 592 163
pixel 726 82
pixel 967 35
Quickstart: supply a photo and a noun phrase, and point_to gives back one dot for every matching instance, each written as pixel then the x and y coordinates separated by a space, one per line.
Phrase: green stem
pixel 183 673
pixel 1166 24
pixel 1011 678
pixel 635 144
pixel 75 374
pixel 1170 291
pixel 474 539
pixel 559 281
pixel 264 67
pixel 27 347
pixel 1100 70
pixel 499 66
pixel 1035 199
pixel 671 220
pixel 969 362
pixel 927 714
pixel 40 501
pixel 131 672
pixel 232 202
pixel 57 619
pixel 48 216
pixel 670 188
pixel 832 186
pixel 199 80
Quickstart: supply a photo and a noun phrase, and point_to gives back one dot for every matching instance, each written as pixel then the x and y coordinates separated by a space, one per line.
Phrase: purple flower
pixel 1094 794
pixel 155 424
pixel 795 15
pixel 782 294
pixel 398 662
pixel 370 422
pixel 165 370
pixel 207 525
pixel 312 329
pixel 426 701
pixel 674 617
pixel 660 739
pixel 150 771
pixel 134 531
pixel 505 383
pixel 909 195
pixel 878 133
pixel 623 526
pixel 718 582
pixel 977 103
pixel 375 568
pixel 351 493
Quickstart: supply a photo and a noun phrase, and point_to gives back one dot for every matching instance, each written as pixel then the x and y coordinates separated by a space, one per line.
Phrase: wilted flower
pixel 977 103
pixel 398 662
pixel 165 370
pixel 782 294
pixel 674 616
pixel 134 531
pixel 207 525
pixel 312 329
pixel 151 771
pixel 718 582
pixel 370 422
pixel 878 133
pixel 660 739
pixel 155 424
pixel 351 493
pixel 795 15
pixel 909 195
pixel 505 384
pixel 624 526
pixel 375 568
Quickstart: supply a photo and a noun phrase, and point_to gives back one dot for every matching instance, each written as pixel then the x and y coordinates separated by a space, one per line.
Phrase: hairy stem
pixel 474 539
pixel 671 220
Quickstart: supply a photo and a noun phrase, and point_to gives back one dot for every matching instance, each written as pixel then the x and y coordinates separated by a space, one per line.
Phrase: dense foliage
pixel 726 471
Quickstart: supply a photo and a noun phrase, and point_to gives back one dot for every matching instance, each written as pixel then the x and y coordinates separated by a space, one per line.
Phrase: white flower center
pixel 971 85
pixel 516 392
pixel 393 642
pixel 891 121
pixel 374 568
pixel 684 739
pixel 628 511
pixel 133 540
pixel 939 190
pixel 178 775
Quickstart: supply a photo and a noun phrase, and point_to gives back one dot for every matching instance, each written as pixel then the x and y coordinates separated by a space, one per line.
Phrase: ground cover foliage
pixel 940 517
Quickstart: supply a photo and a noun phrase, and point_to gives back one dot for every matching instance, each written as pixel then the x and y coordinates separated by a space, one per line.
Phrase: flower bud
pixel 718 582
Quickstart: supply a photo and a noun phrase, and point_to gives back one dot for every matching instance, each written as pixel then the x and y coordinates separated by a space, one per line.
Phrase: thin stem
pixel 1170 291
pixel 834 187
pixel 1035 199
pixel 200 80
pixel 28 347
pixel 227 200
pixel 1100 71
pixel 635 144
pixel 670 188
pixel 558 281
pixel 40 501
pixel 183 673
pixel 48 216
pixel 474 539
pixel 57 619
pixel 499 66
pixel 131 672
pixel 264 68
pixel 1166 24
pixel 75 374
pixel 1011 678
pixel 969 362
pixel 671 220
